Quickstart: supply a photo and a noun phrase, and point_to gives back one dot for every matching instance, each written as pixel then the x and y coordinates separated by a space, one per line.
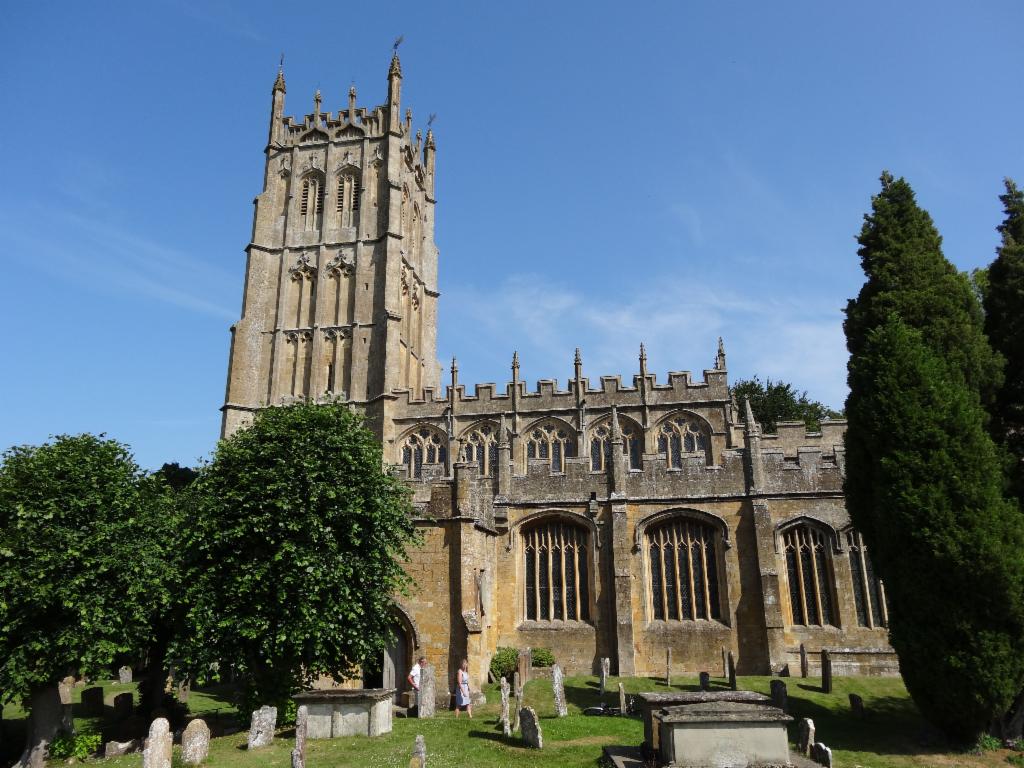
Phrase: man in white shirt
pixel 414 673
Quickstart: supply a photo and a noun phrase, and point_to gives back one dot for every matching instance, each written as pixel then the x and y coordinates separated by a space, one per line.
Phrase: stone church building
pixel 612 518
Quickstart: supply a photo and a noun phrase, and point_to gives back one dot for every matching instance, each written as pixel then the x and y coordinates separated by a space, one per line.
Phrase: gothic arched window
pixel 683 559
pixel 601 445
pixel 868 591
pixel 551 440
pixel 679 435
pixel 808 572
pixel 480 447
pixel 555 570
pixel 311 204
pixel 424 446
pixel 348 198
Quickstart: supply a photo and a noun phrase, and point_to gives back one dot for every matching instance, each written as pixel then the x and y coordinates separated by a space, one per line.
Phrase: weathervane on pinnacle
pixel 398 42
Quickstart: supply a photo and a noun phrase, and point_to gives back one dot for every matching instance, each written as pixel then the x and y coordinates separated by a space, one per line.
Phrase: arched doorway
pixel 390 669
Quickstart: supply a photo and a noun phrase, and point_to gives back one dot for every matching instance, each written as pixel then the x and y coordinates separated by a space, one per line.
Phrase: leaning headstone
pixel 506 723
pixel 856 705
pixel 64 688
pixel 558 687
pixel 123 705
pixel 622 699
pixel 780 696
pixel 419 753
pixel 124 675
pixel 157 753
pixel 301 728
pixel 606 665
pixel 530 723
pixel 804 666
pixel 195 742
pixel 826 671
pixel 92 701
pixel 805 736
pixel 668 666
pixel 705 681
pixel 426 700
pixel 261 727
pixel 821 754
pixel 732 671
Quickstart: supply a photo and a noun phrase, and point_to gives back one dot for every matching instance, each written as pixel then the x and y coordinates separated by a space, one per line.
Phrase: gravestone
pixel 821 754
pixel 517 704
pixel 426 700
pixel 804 666
pixel 725 662
pixel 780 696
pixel 261 727
pixel 668 666
pixel 525 661
pixel 805 736
pixel 124 675
pixel 301 729
pixel 157 753
pixel 123 705
pixel 92 701
pixel 705 681
pixel 505 722
pixel 419 753
pixel 64 689
pixel 182 689
pixel 732 671
pixel 606 665
pixel 116 748
pixel 530 723
pixel 856 705
pixel 195 742
pixel 558 687
pixel 826 671
pixel 622 699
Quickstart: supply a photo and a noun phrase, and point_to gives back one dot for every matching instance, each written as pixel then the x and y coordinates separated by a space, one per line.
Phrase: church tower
pixel 340 296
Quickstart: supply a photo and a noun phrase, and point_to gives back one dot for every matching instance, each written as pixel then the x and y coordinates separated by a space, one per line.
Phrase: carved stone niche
pixel 340 265
pixel 302 268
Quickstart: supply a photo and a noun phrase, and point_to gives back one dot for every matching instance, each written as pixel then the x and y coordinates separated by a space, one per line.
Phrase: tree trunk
pixel 1012 725
pixel 47 717
pixel 151 689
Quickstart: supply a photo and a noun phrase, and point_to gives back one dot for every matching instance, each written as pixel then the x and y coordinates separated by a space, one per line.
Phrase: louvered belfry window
pixel 555 570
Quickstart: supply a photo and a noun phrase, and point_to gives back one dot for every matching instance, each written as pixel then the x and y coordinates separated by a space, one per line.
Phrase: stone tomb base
pixel 724 734
pixel 347 712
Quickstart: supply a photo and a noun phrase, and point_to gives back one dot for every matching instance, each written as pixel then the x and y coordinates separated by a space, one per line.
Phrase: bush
pixel 543 657
pixel 504 663
pixel 79 746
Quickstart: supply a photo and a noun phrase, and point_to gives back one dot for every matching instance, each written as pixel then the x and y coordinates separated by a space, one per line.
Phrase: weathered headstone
pixel 804 666
pixel 92 701
pixel 64 688
pixel 805 736
pixel 261 727
pixel 506 723
pixel 705 681
pixel 780 696
pixel 115 748
pixel 856 705
pixel 123 705
pixel 182 689
pixel 195 742
pixel 426 701
pixel 517 704
pixel 732 671
pixel 606 665
pixel 725 662
pixel 622 699
pixel 821 754
pixel 668 666
pixel 157 753
pixel 124 675
pixel 826 671
pixel 524 663
pixel 558 687
pixel 530 723
pixel 419 753
pixel 301 729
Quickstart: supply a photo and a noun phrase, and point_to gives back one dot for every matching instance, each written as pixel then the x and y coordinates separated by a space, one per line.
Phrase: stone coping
pixel 723 712
pixel 343 695
pixel 668 699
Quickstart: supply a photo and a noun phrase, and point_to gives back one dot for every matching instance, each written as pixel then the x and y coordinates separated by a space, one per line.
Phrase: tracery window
pixel 679 435
pixel 601 445
pixel 807 569
pixel 424 446
pixel 480 447
pixel 311 205
pixel 868 591
pixel 348 199
pixel 683 571
pixel 551 440
pixel 555 569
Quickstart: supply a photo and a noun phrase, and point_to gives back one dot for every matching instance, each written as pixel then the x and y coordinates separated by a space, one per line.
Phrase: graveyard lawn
pixel 890 734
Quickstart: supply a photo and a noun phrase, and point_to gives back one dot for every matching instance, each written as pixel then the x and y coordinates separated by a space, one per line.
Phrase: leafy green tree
pixel 1004 324
pixel 79 577
pixel 775 401
pixel 923 477
pixel 298 536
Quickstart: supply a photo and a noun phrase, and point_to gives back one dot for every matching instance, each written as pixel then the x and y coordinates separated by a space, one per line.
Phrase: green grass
pixel 891 735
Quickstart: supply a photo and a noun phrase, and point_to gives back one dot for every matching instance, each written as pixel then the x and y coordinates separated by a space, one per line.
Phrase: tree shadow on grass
pixel 501 738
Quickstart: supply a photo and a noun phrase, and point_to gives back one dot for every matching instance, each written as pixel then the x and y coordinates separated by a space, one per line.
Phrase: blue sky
pixel 608 174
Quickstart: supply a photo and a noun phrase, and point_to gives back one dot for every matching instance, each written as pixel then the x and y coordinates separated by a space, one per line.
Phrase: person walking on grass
pixel 462 700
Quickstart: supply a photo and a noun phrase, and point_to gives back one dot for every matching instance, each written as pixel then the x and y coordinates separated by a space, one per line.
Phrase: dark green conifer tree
pixel 923 477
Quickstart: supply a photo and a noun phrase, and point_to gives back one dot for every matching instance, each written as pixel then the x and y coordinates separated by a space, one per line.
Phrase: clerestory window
pixel 555 570
pixel 424 446
pixel 601 446
pixel 683 564
pixel 480 447
pixel 680 435
pixel 552 441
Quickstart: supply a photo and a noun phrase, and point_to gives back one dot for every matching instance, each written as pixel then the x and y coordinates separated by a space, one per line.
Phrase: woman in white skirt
pixel 462 700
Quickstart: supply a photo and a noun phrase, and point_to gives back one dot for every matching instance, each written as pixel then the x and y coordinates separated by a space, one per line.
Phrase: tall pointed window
pixel 348 198
pixel 681 435
pixel 808 570
pixel 480 447
pixel 553 441
pixel 683 565
pixel 868 591
pixel 424 446
pixel 601 445
pixel 555 570
pixel 311 204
